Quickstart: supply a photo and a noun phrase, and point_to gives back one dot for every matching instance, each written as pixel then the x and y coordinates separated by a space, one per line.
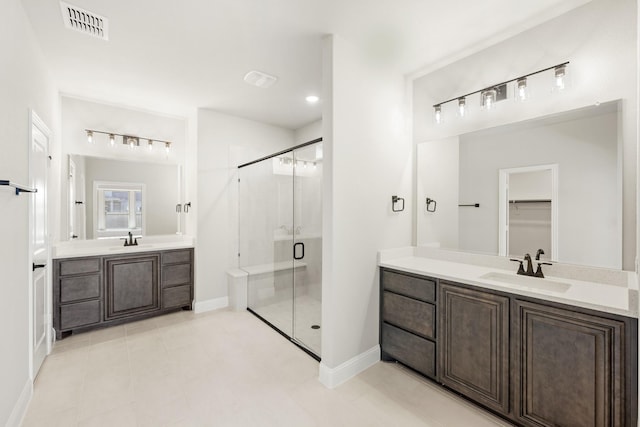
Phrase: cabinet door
pixel 568 368
pixel 132 285
pixel 474 345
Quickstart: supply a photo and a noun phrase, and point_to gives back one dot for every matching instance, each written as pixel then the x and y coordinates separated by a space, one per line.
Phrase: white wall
pixel 367 159
pixel 437 178
pixel 78 115
pixel 309 132
pixel 224 142
pixel 599 39
pixel 26 85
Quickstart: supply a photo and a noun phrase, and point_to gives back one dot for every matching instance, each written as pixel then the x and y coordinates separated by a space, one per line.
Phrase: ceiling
pixel 174 57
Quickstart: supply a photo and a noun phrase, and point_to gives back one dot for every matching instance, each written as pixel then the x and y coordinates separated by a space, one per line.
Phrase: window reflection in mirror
pixel 109 198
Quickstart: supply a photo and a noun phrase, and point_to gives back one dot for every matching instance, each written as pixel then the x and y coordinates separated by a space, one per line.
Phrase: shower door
pixel 280 241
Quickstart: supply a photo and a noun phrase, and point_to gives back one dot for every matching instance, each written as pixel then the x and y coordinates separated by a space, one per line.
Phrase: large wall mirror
pixel 109 198
pixel 552 183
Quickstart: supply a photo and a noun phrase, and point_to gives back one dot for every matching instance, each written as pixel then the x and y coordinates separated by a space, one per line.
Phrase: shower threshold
pixel 296 343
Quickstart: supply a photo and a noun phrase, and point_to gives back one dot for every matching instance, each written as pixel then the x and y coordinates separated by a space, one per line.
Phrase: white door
pixel 39 244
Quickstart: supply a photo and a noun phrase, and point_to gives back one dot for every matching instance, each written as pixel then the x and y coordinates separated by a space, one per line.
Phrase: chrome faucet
pixel 131 241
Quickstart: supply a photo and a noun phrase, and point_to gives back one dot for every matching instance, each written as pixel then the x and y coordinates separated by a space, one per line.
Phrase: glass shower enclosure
pixel 280 245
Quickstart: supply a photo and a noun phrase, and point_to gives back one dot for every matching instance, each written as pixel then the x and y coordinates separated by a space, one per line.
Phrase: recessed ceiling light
pixel 312 99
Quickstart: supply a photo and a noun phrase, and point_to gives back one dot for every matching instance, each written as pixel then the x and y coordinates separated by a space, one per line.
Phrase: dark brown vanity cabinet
pixel 100 291
pixel 408 327
pixel 572 368
pixel 474 344
pixel 131 285
pixel 77 293
pixel 177 278
pixel 535 363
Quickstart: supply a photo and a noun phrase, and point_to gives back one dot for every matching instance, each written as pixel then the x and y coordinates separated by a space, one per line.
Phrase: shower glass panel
pixel 307 218
pixel 265 230
pixel 281 241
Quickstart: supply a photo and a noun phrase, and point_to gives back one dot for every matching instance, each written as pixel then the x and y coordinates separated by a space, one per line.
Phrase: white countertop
pixel 82 248
pixel 609 298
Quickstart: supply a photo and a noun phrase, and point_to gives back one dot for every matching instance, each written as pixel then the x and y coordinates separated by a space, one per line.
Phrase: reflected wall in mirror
pixel 575 210
pixel 108 198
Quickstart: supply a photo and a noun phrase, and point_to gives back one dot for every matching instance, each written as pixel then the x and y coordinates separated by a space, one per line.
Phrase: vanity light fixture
pixel 131 141
pixel 128 140
pixel 462 106
pixel 488 98
pixel 560 73
pixel 522 91
pixel 167 147
pixel 494 93
pixel 438 115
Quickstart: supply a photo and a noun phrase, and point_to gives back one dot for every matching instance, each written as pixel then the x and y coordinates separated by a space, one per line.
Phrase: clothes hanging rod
pixel 473 205
pixel 19 188
pixel 531 201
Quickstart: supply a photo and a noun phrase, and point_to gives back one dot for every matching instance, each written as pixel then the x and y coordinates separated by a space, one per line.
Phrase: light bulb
pixel 522 90
pixel 312 99
pixel 167 147
pixel 462 106
pixel 112 140
pixel 489 98
pixel 304 165
pixel 438 113
pixel 150 144
pixel 90 137
pixel 560 77
pixel 314 165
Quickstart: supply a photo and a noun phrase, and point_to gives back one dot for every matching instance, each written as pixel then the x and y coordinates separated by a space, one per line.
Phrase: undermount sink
pixel 117 248
pixel 527 282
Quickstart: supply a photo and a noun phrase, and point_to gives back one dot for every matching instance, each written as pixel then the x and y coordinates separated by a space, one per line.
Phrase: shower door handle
pixel 295 252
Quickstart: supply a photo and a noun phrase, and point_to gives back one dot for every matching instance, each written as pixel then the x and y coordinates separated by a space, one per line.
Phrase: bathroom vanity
pixel 107 289
pixel 561 351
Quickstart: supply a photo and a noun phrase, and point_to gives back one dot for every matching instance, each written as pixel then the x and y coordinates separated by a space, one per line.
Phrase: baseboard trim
pixel 333 377
pixel 20 408
pixel 211 304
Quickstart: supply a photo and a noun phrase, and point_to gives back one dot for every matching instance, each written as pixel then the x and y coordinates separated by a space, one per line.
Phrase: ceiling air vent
pixel 76 18
pixel 260 79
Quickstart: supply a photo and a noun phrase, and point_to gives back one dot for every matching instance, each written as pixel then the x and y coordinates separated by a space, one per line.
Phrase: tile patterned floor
pixel 220 369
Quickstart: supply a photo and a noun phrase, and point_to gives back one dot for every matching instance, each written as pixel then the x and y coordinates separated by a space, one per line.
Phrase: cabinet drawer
pixel 175 257
pixel 176 297
pixel 173 275
pixel 420 288
pixel 79 288
pixel 415 352
pixel 78 266
pixel 410 314
pixel 79 314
